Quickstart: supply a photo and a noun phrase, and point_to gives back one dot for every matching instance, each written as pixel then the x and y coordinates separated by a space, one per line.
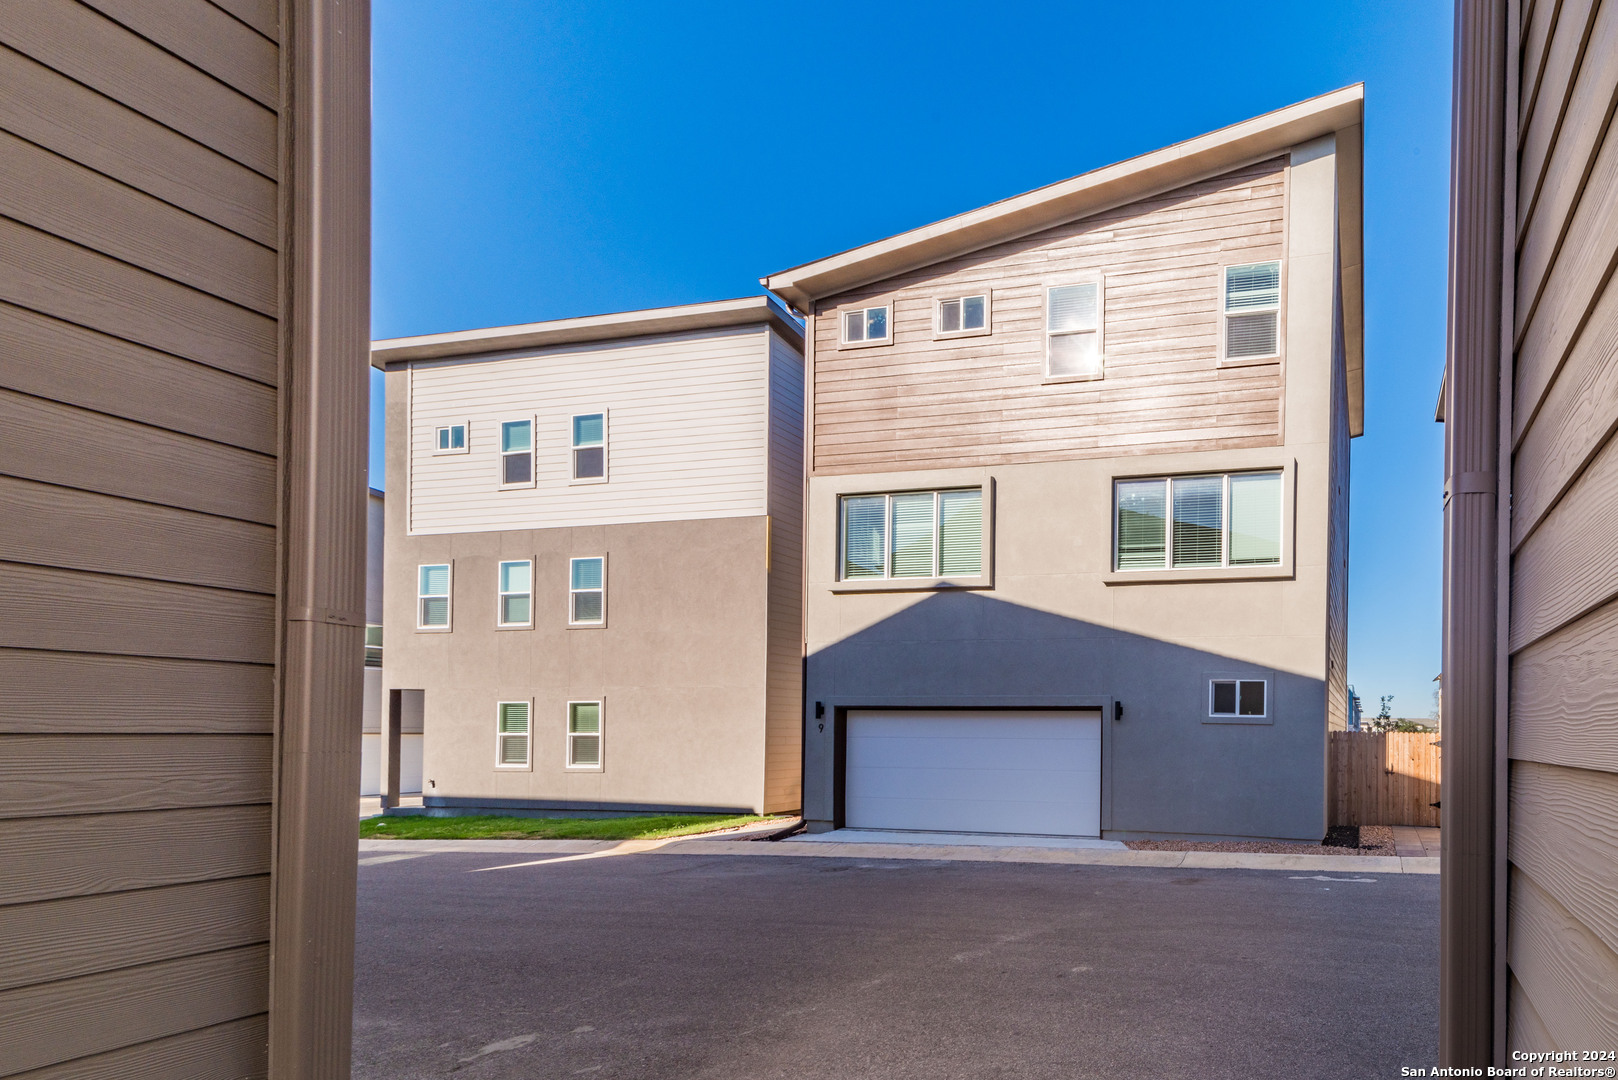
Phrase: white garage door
pixel 989 772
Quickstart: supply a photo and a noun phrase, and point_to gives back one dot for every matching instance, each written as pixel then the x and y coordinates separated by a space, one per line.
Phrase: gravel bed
pixel 1343 840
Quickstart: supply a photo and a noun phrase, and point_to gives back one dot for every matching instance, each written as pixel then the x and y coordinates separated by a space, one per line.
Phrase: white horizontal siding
pixel 687 433
pixel 783 755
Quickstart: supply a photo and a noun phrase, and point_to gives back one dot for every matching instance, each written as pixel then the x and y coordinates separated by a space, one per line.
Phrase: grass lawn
pixel 526 828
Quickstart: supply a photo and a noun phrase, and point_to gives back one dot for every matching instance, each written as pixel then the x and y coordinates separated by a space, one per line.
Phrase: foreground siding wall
pixel 783 737
pixel 170 535
pixel 1563 876
pixel 138 390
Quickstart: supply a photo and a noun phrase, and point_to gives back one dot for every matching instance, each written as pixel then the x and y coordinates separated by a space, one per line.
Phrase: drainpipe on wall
pixel 1471 540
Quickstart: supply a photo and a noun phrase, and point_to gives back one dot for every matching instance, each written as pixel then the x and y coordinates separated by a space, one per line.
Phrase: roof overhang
pixel 1338 113
pixel 715 315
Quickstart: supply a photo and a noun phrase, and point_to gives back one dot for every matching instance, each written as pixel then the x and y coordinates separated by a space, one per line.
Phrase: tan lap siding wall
pixel 925 403
pixel 1563 921
pixel 783 727
pixel 138 363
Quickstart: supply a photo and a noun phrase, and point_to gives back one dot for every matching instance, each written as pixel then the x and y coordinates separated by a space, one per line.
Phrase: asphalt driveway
pixel 679 966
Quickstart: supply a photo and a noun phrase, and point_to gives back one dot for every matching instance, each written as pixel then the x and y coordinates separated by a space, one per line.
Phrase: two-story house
pixel 1077 515
pixel 593 596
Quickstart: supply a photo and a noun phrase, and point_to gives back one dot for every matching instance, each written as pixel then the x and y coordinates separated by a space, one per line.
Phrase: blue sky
pixel 543 160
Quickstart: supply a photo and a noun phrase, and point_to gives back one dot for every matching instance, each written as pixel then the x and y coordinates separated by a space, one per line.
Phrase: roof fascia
pixel 719 314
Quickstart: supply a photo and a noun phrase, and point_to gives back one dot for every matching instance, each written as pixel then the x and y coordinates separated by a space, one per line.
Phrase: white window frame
pixel 1238 680
pixel 533 452
pixel 573 449
pixel 843 341
pixel 571 592
pixel 449 597
pixel 600 735
pixel 466 438
pixel 528 737
pixel 980 331
pixel 1279 309
pixel 500 595
pixel 1224 530
pixel 1100 282
pixel 887 531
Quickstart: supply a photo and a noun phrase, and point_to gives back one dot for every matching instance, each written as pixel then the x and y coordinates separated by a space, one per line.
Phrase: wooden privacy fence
pixel 1383 779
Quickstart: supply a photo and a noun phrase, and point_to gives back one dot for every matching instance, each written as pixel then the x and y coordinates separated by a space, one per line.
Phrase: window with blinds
pixel 587 591
pixel 963 315
pixel 1073 331
pixel 590 446
pixel 913 534
pixel 517 453
pixel 432 597
pixel 865 326
pixel 1252 308
pixel 1191 522
pixel 512 734
pixel 584 734
pixel 516 597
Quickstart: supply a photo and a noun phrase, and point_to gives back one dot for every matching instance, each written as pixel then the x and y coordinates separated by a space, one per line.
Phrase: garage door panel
pixel 978 771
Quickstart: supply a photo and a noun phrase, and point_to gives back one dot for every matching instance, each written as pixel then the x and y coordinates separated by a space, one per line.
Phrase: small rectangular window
pixel 516 453
pixel 1190 522
pixel 963 315
pixel 1237 697
pixel 512 735
pixel 587 591
pixel 373 645
pixel 1073 319
pixel 1252 306
pixel 584 734
pixel 516 593
pixel 450 439
pixel 432 597
pixel 590 446
pixel 865 325
pixel 913 534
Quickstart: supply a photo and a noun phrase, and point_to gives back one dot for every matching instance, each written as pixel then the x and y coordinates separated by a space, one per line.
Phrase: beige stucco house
pixel 593 600
pixel 1077 514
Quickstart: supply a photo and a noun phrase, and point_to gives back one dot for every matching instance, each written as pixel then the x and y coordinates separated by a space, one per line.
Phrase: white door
pixel 986 771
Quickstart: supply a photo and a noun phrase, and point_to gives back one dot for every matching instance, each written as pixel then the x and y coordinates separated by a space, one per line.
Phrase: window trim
pixel 1280 315
pixel 598 624
pixel 600 734
pixel 1170 574
pixel 940 334
pixel 842 314
pixel 466 438
pixel 500 595
pixel 606 447
pixel 533 453
pixel 984 579
pixel 449 595
pixel 1239 717
pixel 1099 280
pixel 528 763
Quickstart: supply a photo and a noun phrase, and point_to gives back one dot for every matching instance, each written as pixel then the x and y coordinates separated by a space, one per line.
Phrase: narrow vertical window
pixel 373 645
pixel 865 536
pixel 512 734
pixel 590 446
pixel 432 596
pixel 1142 524
pixel 517 452
pixel 1252 306
pixel 1199 519
pixel 516 593
pixel 960 533
pixel 587 592
pixel 1255 519
pixel 1073 331
pixel 584 734
pixel 914 536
